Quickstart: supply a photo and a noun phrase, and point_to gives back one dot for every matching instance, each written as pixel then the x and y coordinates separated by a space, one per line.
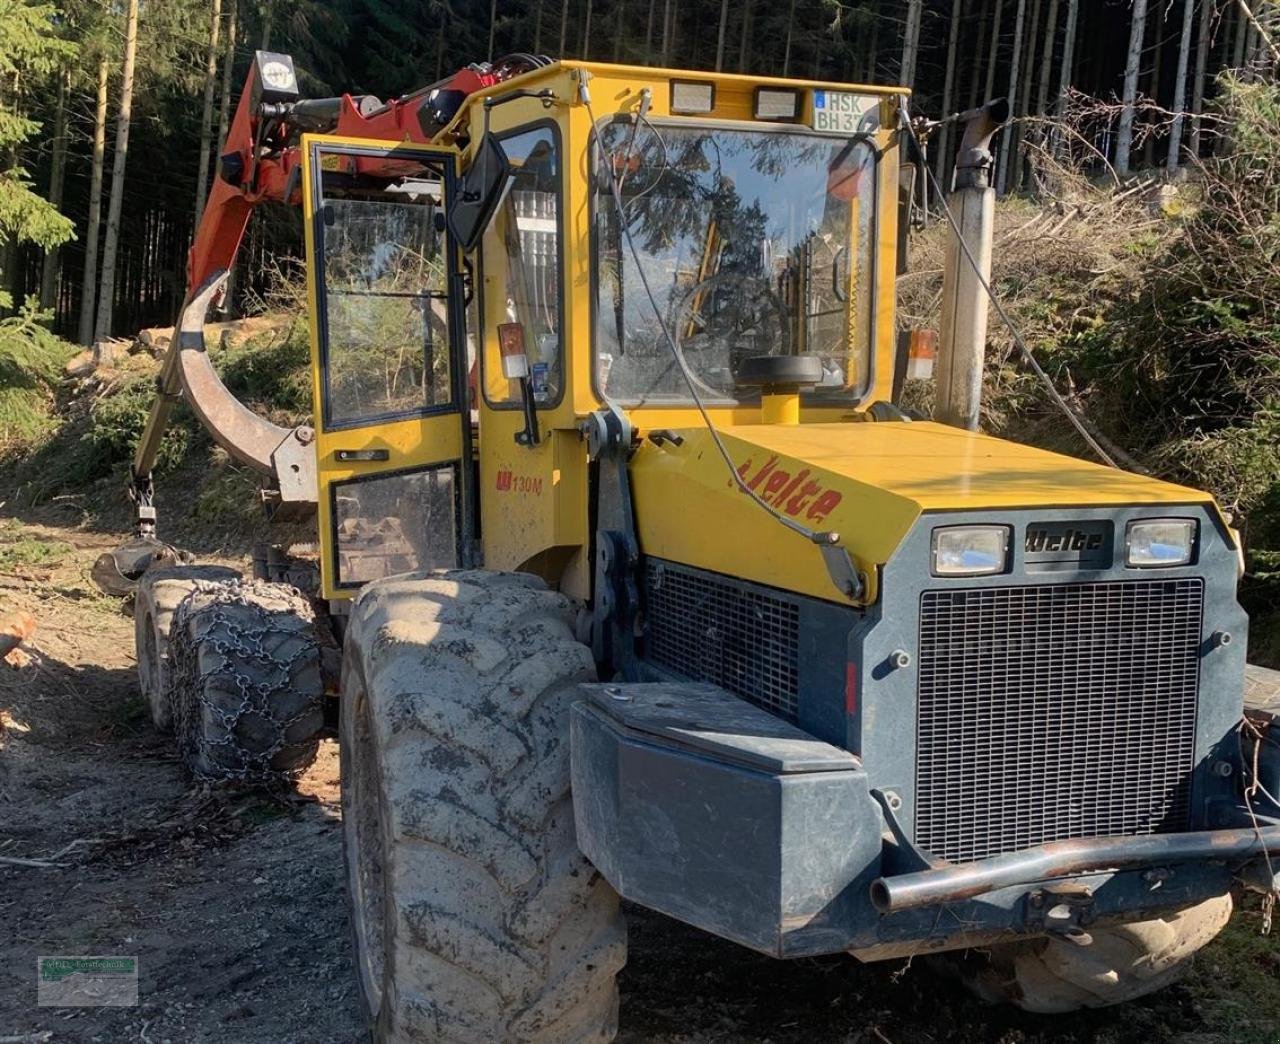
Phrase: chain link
pixel 234 621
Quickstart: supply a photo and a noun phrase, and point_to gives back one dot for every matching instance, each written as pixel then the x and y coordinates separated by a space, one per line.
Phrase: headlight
pixel 1155 542
pixel 970 550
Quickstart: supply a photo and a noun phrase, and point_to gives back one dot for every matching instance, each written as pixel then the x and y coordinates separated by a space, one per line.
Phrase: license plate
pixel 840 111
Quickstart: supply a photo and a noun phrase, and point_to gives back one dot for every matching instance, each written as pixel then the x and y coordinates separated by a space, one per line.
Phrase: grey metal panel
pixel 778 863
pixel 710 720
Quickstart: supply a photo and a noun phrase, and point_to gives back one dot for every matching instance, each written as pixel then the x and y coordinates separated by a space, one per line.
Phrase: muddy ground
pixel 233 902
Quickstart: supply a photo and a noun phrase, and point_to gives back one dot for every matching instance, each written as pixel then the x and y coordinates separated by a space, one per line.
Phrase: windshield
pixel 753 243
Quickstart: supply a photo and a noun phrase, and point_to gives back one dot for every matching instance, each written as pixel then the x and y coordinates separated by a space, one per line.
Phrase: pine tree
pixel 206 120
pixel 30 50
pixel 1180 87
pixel 57 181
pixel 1124 135
pixel 111 245
pixel 89 283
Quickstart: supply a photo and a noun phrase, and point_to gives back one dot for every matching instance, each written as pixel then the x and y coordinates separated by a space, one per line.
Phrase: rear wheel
pixel 247 686
pixel 159 592
pixel 474 915
pixel 1098 968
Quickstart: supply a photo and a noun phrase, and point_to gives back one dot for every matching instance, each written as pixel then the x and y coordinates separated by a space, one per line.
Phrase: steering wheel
pixel 734 316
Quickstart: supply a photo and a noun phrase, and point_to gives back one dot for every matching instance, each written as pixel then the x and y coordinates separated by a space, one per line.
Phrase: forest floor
pixel 232 902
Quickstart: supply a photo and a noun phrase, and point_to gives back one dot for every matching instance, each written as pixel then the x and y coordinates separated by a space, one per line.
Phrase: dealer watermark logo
pixel 86 982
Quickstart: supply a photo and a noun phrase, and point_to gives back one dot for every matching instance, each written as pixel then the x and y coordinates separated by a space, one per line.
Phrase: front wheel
pixel 1097 968
pixel 474 915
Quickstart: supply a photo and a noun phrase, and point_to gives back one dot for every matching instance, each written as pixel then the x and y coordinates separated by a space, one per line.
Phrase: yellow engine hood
pixel 869 482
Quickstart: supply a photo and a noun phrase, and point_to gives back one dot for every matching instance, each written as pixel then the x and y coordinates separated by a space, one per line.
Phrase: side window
pixel 521 257
pixel 384 339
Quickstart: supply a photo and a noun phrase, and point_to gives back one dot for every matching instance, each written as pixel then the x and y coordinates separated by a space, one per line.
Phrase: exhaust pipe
pixel 951 884
pixel 964 302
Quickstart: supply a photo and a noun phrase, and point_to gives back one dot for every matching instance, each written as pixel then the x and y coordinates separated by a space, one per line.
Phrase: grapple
pixel 117 572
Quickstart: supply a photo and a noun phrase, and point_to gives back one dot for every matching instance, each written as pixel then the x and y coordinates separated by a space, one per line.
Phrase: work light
pixel 689 98
pixel 777 104
pixel 970 550
pixel 1154 543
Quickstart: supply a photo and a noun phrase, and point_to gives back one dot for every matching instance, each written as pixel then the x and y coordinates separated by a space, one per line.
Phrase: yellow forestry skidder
pixel 635 581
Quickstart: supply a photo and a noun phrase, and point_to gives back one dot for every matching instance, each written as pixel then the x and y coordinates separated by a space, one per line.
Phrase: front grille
pixel 713 629
pixel 1053 712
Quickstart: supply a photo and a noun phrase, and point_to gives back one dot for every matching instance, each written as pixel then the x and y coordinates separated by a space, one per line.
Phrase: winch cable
pixel 815 536
pixel 1045 379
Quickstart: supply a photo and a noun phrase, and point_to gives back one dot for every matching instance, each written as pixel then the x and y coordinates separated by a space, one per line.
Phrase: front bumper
pixel 693 803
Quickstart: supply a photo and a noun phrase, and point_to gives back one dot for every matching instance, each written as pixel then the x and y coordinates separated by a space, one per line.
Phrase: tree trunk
pixel 90 281
pixel 975 71
pixel 724 24
pixel 1046 59
pixel 1006 138
pixel 1180 87
pixel 619 28
pixel 586 30
pixel 1124 135
pixel 228 71
pixel 206 119
pixel 873 53
pixel 1153 85
pixel 910 43
pixel 1064 74
pixel 1024 101
pixel 493 26
pixel 668 25
pixel 1241 36
pixel 791 24
pixel 648 31
pixel 111 244
pixel 994 54
pixel 1068 57
pixel 1197 85
pixel 57 179
pixel 564 27
pixel 268 23
pixel 941 160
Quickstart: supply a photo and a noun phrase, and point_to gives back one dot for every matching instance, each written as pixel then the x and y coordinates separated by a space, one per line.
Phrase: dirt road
pixel 233 902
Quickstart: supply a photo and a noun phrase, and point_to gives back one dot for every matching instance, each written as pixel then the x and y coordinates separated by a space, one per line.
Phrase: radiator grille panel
pixel 715 630
pixel 1053 712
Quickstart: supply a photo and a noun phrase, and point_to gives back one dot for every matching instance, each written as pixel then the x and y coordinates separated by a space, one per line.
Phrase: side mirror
pixel 479 193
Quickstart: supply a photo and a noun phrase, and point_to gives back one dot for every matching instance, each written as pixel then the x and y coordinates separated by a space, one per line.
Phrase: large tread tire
pixel 160 591
pixel 1112 965
pixel 247 687
pixel 474 915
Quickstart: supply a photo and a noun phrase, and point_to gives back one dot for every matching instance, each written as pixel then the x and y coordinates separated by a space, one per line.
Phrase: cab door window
pixel 384 338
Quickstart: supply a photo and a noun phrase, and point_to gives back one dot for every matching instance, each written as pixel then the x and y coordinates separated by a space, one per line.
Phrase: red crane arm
pixel 258 161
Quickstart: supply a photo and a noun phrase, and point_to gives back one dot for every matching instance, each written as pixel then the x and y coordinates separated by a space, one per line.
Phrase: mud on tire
pixel 159 593
pixel 475 916
pixel 246 681
pixel 1115 964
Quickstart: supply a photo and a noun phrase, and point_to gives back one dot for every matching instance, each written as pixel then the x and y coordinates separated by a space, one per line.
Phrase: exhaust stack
pixel 963 324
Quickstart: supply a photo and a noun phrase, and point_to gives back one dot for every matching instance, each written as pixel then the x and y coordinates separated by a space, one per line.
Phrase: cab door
pixel 389 361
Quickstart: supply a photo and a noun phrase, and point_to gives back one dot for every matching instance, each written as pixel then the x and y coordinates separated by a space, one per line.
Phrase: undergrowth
pixel 101 422
pixel 31 367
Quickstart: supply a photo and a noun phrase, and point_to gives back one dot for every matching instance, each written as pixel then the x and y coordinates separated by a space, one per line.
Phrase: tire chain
pixel 188 689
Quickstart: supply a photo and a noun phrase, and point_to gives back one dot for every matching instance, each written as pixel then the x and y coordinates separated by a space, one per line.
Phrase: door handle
pixel 346 455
